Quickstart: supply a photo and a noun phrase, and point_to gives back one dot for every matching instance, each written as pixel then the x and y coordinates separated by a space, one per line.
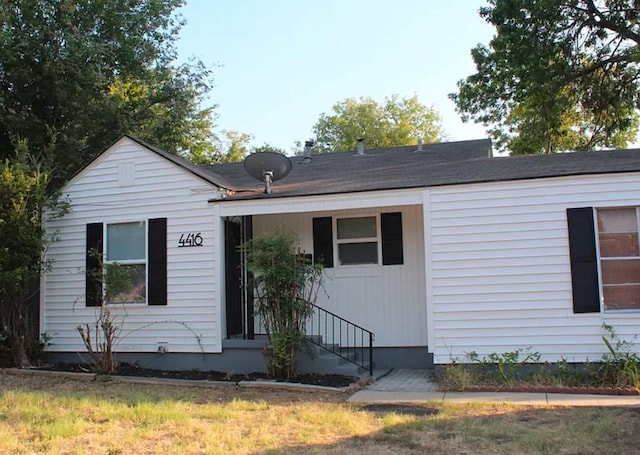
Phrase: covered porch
pixel 372 247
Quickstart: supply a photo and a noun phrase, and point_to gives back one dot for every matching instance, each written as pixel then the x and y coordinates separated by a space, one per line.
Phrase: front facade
pixel 115 201
pixel 436 260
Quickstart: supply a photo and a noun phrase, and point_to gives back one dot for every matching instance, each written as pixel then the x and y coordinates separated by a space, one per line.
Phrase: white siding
pixel 500 274
pixel 153 187
pixel 388 300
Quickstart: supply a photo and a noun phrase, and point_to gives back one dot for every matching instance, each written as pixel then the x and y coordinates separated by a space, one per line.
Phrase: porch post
pixel 247 282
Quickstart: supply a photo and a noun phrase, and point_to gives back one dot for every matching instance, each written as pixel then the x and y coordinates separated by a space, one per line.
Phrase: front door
pixel 239 298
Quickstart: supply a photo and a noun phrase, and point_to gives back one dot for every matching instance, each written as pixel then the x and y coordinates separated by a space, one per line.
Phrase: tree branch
pixel 605 22
pixel 596 66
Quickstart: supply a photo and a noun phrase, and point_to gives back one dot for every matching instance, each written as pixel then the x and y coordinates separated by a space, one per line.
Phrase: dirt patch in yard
pixel 402 409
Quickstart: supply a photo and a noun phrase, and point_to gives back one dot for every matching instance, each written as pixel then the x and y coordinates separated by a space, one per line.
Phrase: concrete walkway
pixel 399 380
pixel 417 386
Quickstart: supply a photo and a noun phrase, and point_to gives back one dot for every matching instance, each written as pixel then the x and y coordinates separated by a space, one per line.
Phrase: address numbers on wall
pixel 190 239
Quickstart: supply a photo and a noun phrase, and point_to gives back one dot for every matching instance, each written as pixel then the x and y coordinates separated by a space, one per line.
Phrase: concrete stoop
pixel 322 361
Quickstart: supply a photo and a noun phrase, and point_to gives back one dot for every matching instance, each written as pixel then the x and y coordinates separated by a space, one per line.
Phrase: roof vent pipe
pixel 307 149
pixel 361 146
pixel 419 144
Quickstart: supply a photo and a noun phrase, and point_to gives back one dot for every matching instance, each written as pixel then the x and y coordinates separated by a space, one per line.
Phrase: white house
pixel 438 250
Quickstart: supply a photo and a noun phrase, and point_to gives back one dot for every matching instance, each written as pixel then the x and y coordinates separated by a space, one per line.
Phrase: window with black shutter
pixel 359 240
pixel 127 262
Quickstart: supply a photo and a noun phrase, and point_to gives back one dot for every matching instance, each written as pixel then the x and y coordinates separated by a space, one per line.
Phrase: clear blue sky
pixel 284 62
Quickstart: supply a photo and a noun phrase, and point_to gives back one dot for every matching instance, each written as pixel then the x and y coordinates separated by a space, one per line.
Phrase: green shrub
pixel 286 285
pixel 621 366
pixel 507 367
pixel 456 377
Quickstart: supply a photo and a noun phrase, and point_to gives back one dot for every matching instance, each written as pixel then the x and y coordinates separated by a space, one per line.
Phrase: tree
pixel 233 147
pixel 396 122
pixel 164 109
pixel 80 72
pixel 558 75
pixel 23 198
pixel 74 75
pixel 267 148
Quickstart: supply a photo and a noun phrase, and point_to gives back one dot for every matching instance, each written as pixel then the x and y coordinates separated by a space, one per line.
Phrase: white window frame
pixel 603 307
pixel 144 261
pixel 337 242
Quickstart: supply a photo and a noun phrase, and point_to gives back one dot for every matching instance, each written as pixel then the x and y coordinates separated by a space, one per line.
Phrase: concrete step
pixel 342 362
pixel 322 358
pixel 329 363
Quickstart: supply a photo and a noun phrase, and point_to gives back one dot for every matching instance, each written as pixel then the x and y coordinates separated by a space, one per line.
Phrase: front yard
pixel 56 415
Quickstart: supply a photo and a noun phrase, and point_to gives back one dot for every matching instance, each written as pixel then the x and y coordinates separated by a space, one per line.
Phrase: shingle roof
pixel 449 163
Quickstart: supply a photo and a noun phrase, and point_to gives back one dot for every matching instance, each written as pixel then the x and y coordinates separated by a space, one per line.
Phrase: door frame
pixel 238 291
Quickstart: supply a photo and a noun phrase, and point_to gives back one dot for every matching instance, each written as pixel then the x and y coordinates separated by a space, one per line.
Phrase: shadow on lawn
pixel 492 429
pixel 438 429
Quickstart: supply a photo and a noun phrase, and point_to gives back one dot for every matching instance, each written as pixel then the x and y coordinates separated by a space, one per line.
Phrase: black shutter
pixel 584 266
pixel 157 266
pixel 392 250
pixel 323 241
pixel 93 281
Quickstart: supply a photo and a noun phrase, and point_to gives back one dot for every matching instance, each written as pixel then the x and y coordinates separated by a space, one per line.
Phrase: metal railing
pixel 342 338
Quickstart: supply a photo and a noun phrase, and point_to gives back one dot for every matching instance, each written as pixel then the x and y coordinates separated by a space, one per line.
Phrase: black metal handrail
pixel 343 338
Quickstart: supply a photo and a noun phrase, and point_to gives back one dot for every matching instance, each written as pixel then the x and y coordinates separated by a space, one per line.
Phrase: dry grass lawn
pixel 67 416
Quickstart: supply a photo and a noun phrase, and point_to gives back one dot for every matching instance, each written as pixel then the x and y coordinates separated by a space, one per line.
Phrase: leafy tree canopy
pixel 233 146
pixel 267 148
pixel 395 122
pixel 558 75
pixel 78 73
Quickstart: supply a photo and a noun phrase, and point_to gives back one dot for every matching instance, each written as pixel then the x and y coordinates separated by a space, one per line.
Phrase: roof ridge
pixel 411 146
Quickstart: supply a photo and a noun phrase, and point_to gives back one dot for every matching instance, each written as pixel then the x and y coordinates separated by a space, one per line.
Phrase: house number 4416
pixel 190 239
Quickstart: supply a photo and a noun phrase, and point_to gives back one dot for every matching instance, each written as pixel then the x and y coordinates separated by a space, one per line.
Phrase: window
pixel 125 263
pixel 137 271
pixel 357 240
pixel 619 258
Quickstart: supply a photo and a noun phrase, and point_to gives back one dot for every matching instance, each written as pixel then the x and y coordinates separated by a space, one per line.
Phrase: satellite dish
pixel 267 167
